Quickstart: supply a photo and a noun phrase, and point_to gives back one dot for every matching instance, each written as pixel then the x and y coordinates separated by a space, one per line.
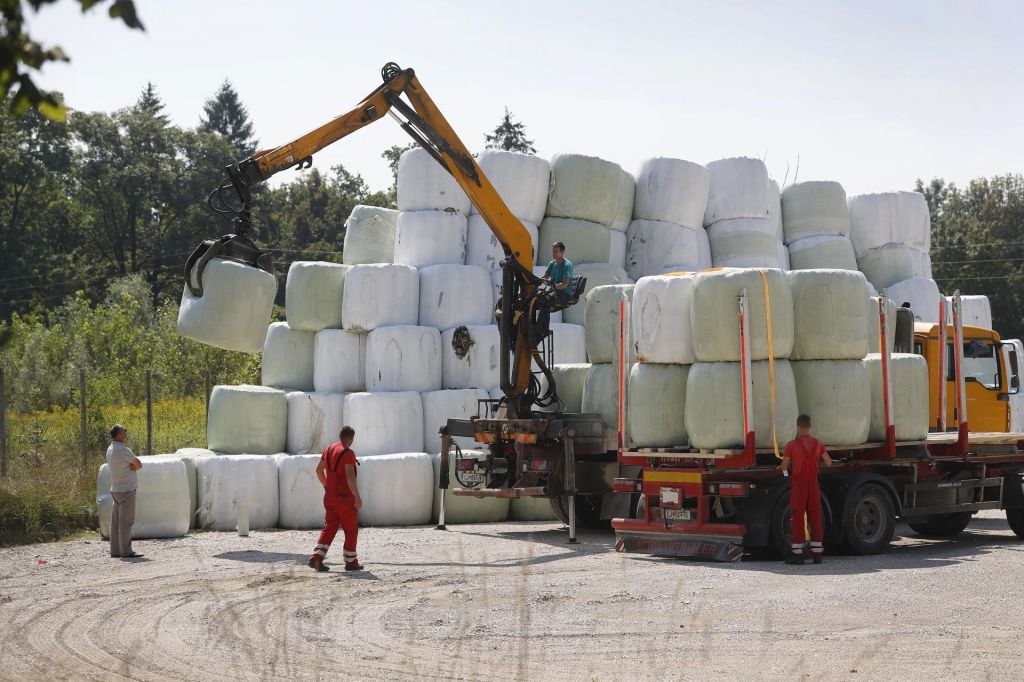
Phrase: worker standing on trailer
pixel 337 473
pixel 559 270
pixel 804 453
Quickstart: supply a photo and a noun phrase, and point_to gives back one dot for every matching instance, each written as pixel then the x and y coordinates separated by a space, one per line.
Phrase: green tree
pixel 225 115
pixel 978 243
pixel 510 136
pixel 20 54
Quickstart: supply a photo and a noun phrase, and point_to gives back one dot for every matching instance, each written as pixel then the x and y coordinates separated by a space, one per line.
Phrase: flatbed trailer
pixel 715 504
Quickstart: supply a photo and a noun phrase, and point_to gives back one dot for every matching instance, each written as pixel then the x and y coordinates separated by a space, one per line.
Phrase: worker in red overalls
pixel 804 453
pixel 337 473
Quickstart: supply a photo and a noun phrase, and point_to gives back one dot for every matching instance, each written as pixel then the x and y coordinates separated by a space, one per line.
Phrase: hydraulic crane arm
pixel 526 303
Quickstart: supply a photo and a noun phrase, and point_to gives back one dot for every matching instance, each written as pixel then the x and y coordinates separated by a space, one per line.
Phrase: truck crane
pixel 532 453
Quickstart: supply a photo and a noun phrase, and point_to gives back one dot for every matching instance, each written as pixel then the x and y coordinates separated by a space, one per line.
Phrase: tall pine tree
pixel 149 102
pixel 510 136
pixel 226 115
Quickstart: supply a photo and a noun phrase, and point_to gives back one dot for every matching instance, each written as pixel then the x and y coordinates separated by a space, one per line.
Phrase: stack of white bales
pixel 667 231
pixel 891 235
pixel 590 203
pixel 816 225
pixel 975 310
pixel 743 215
pixel 714 404
pixel 601 384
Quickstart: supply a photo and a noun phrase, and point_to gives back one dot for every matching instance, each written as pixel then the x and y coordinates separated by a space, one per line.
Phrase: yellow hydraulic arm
pixel 421 119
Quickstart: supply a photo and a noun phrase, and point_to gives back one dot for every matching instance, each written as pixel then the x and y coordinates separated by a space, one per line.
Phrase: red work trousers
pixel 339 512
pixel 805 497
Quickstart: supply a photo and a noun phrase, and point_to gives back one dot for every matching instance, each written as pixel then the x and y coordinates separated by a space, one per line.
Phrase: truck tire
pixel 869 520
pixel 941 525
pixel 588 511
pixel 1015 517
pixel 780 532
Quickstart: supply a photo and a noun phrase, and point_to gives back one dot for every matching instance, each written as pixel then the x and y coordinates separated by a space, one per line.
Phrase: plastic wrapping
pixel 837 396
pixel 597 274
pixel 653 246
pixel 584 187
pixel 483 248
pixel 909 379
pixel 521 180
pixel 454 295
pixel 385 422
pixel 300 493
pixel 431 238
pixel 403 358
pixel 314 421
pixel 370 235
pixel 673 191
pixel 288 358
pixel 339 361
pixel 313 295
pixel 737 188
pixel 423 184
pixel 396 489
pixel 922 295
pixel 826 251
pixel 602 320
pixel 814 208
pixel 656 405
pixel 887 265
pixel 247 419
pixel 440 406
pixel 661 322
pixel 234 310
pixel 585 242
pixel 624 203
pixel 380 296
pixel 222 482
pixel 470 356
pixel 829 314
pixel 889 218
pixel 744 243
pixel 163 507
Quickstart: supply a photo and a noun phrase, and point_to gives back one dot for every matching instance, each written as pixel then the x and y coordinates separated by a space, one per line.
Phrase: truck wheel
pixel 781 533
pixel 1015 517
pixel 941 525
pixel 869 520
pixel 588 511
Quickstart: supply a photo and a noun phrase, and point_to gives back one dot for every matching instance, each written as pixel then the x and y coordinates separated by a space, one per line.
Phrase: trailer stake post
pixel 746 380
pixel 883 341
pixel 941 371
pixel 958 366
pixel 570 484
pixel 444 477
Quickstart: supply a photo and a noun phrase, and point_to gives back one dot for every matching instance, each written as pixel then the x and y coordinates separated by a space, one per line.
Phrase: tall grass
pixel 47 496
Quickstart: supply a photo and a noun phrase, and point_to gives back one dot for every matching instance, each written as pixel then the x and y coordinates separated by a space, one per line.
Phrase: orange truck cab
pixel 991 374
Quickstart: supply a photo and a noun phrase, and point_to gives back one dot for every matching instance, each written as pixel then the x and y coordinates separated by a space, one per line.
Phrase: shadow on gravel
pixel 256 556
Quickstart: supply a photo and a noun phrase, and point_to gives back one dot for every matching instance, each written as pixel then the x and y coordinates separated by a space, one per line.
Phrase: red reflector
pixel 467 464
pixel 538 465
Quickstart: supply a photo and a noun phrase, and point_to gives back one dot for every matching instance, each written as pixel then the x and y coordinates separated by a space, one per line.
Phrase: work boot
pixel 317 565
pixel 353 566
pixel 818 559
pixel 795 559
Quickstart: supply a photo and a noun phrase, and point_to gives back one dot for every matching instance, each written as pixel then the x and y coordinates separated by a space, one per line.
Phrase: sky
pixel 872 94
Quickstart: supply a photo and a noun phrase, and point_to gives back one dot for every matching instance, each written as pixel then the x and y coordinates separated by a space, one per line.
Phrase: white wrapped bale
pixel 922 295
pixel 824 252
pixel 713 314
pixel 922 263
pixel 162 501
pixel 656 405
pixel 396 489
pixel 601 394
pixel 188 457
pixel 744 243
pixel 837 396
pixel 431 238
pixel 454 295
pixel 339 361
pixel 313 295
pixel 462 509
pixel 814 208
pixel 584 187
pixel 531 509
pixel 887 265
pixel 672 191
pixel 783 256
pixel 424 185
pixel 714 405
pixel 889 218
pixel 314 421
pixel 403 358
pixel 617 248
pixel 737 188
pixel 570 343
pixel 597 274
pixel 602 320
pixel 660 317
pixel 379 296
pixel 909 378
pixel 440 406
pixel 652 246
pixel 223 482
pixel 287 358
pixel 247 419
pixel 703 250
pixel 483 248
pixel 470 356
pixel 370 235
pixel 300 493
pixel 233 311
pixel 975 310
pixel 624 203
pixel 569 381
pixel 829 308
pixel 874 337
pixel 521 180
pixel 585 242
pixel 385 422
pixel 775 209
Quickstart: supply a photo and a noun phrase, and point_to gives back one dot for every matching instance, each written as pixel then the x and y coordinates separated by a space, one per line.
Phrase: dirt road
pixel 508 601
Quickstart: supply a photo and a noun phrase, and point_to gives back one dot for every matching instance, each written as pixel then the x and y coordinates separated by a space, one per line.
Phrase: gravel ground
pixel 508 601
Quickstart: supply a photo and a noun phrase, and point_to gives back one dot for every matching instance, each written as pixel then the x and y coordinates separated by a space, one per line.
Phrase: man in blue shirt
pixel 559 270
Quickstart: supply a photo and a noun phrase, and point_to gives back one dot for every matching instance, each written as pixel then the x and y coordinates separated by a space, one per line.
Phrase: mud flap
pixel 714 548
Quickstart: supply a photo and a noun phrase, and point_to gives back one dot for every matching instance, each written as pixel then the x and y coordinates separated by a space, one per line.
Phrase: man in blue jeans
pixel 559 270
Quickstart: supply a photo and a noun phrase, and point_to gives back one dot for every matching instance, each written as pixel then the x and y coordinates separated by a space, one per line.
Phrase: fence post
pixel 206 390
pixel 3 427
pixel 81 409
pixel 149 411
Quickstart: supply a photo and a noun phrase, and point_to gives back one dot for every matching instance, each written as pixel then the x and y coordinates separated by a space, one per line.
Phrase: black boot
pixel 795 559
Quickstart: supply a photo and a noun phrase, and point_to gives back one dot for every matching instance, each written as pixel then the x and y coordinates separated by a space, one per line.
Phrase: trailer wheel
pixel 1015 517
pixel 941 525
pixel 588 511
pixel 869 520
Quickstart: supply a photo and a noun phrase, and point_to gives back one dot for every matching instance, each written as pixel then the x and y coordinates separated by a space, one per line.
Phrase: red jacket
pixel 805 452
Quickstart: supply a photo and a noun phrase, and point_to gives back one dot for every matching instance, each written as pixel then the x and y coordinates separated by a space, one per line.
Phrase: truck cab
pixel 991 375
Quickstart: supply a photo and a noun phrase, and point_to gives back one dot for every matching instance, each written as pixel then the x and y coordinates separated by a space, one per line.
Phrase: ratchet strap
pixel 771 357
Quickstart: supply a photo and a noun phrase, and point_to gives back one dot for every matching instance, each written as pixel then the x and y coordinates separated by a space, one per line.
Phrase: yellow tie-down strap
pixel 771 357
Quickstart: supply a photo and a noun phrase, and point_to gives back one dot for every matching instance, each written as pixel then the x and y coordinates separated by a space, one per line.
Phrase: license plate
pixel 472 477
pixel 677 514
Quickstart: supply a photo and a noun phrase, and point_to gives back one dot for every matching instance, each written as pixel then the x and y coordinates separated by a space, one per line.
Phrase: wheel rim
pixel 869 519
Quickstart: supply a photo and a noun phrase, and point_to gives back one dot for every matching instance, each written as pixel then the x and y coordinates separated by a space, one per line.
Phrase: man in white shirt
pixel 124 481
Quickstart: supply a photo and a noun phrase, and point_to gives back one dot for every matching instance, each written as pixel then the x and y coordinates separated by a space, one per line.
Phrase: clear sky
pixel 873 94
